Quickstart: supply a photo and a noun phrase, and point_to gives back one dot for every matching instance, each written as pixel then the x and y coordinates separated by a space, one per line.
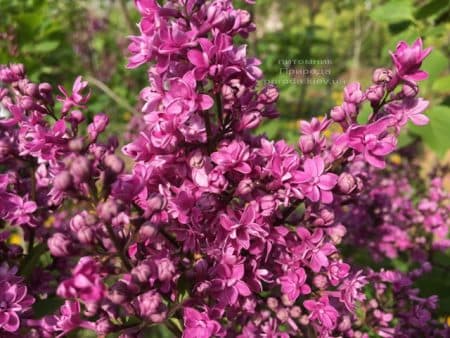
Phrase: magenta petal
pixel 243 168
pixel 326 196
pixel 13 323
pixel 328 181
pixel 374 160
pixel 311 167
pixel 314 194
pixel 243 289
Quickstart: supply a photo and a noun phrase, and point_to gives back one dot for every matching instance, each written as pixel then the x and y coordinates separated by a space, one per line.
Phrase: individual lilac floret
pixel 199 325
pixel 14 302
pixel 372 141
pixel 77 99
pixel 408 59
pixel 314 183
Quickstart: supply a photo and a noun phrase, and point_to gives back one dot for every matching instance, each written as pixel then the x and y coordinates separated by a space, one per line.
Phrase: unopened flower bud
pixel 76 116
pixel 320 281
pixel 76 144
pixel 295 312
pixel 245 186
pixel 410 89
pixel 382 75
pixel 272 303
pixel 80 169
pixel 375 93
pixel 118 293
pixel 114 163
pixel 18 69
pixel 346 183
pixel 306 143
pixel 27 102
pixel 141 273
pixel 107 210
pixel 62 181
pixel 59 245
pixel 147 230
pixel 45 88
pixel 269 94
pixel 85 235
pixel 32 89
pixel 337 114
pixel 103 326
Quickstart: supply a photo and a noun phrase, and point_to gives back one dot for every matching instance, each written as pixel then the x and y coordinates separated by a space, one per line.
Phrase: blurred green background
pixel 310 49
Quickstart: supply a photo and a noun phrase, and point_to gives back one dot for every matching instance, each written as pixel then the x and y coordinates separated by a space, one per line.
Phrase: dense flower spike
pixel 213 232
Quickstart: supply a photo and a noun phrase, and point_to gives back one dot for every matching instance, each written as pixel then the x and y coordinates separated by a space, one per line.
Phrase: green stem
pixel 116 98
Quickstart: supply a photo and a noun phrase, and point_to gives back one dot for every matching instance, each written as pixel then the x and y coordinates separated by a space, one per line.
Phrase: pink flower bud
pixel 27 102
pixel 269 94
pixel 141 273
pixel 62 181
pixel 382 75
pixel 85 235
pixel 107 210
pixel 76 144
pixel 337 114
pixel 410 89
pixel 245 186
pixel 375 93
pixel 59 245
pixel 114 163
pixel 18 70
pixel 346 183
pixel 45 88
pixel 80 168
pixel 306 143
pixel 32 89
pixel 320 282
pixel 353 93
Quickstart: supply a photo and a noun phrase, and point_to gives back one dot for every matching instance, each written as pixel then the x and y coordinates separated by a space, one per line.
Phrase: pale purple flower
pixel 409 109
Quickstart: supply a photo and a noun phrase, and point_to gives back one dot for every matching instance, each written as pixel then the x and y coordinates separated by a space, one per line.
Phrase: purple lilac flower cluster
pixel 213 232
pixel 393 217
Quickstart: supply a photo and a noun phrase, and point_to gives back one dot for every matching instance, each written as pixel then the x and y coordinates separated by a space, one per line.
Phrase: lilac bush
pixel 212 230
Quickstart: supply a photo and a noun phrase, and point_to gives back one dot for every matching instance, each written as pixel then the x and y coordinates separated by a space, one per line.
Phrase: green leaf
pixel 364 113
pixel 41 47
pixel 46 306
pixel 30 262
pixel 442 85
pixel 436 134
pixel 430 8
pixel 404 139
pixel 393 11
pixel 435 64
